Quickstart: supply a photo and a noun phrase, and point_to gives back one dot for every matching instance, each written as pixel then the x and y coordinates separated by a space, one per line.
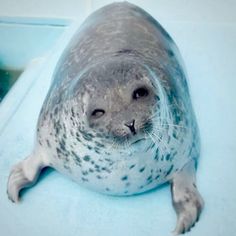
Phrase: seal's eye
pixel 139 93
pixel 97 113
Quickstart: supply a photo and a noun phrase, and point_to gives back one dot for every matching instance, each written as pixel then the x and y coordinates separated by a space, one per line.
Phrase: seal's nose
pixel 130 125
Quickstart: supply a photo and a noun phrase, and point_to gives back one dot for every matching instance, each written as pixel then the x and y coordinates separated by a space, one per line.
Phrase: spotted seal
pixel 118 117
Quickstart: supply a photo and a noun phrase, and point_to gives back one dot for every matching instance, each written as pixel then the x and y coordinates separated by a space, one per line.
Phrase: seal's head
pixel 116 101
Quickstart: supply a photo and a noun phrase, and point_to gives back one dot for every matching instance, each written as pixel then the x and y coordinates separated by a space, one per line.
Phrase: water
pixel 7 79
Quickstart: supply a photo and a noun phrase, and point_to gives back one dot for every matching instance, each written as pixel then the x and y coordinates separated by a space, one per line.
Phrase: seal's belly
pixel 120 173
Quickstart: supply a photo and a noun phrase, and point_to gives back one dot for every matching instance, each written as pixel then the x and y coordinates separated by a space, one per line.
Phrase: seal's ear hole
pixel 97 113
pixel 140 92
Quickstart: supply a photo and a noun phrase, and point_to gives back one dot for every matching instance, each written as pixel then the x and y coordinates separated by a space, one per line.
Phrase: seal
pixel 118 117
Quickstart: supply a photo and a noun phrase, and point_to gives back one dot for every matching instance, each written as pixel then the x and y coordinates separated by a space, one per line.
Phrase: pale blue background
pixel 205 32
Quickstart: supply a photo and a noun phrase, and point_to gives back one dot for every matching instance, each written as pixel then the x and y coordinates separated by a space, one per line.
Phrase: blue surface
pixel 58 206
pixel 24 44
pixel 22 40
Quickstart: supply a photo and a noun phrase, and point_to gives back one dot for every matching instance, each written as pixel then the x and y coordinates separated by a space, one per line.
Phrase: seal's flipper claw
pixel 24 174
pixel 186 199
pixel 16 182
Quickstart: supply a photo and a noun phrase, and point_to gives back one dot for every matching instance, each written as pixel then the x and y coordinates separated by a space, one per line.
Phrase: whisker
pixel 156 120
pixel 160 140
pixel 157 144
pixel 147 135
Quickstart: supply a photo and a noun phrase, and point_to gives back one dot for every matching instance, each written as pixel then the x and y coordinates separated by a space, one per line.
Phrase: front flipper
pixel 24 174
pixel 186 199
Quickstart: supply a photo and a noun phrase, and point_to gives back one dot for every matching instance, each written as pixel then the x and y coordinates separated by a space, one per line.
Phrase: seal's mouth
pixel 138 141
pixel 124 144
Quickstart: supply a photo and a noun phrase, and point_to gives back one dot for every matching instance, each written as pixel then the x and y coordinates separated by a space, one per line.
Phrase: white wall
pixel 167 10
pixel 67 9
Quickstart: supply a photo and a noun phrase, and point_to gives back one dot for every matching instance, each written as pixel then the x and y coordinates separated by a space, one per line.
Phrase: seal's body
pixel 118 117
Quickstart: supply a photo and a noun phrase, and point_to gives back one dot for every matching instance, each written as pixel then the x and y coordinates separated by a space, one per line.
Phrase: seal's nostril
pixel 130 125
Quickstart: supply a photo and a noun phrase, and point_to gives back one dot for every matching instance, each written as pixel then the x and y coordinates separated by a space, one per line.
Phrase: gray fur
pixel 97 129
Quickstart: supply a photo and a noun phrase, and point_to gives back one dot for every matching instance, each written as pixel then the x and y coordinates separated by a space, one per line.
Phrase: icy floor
pixel 58 206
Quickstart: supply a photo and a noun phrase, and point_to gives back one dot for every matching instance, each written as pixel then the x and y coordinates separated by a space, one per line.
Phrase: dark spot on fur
pixel 157 176
pixel 67 167
pixel 168 157
pixel 97 150
pixel 142 169
pixel 99 144
pixel 62 144
pixel 174 134
pixel 86 158
pixel 174 154
pixel 84 179
pixel 76 157
pixel 170 53
pixel 78 139
pixel 149 177
pixel 148 126
pixel 57 127
pixel 124 178
pixel 132 166
pixel 84 172
pixel 97 168
pixel 168 140
pixel 99 135
pixel 152 146
pixel 64 127
pixel 157 155
pixel 105 169
pixel 72 112
pixel 71 132
pixel 86 136
pixel 138 76
pixel 56 111
pixel 58 151
pixel 169 171
pixel 48 143
pixel 125 51
pixel 157 97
